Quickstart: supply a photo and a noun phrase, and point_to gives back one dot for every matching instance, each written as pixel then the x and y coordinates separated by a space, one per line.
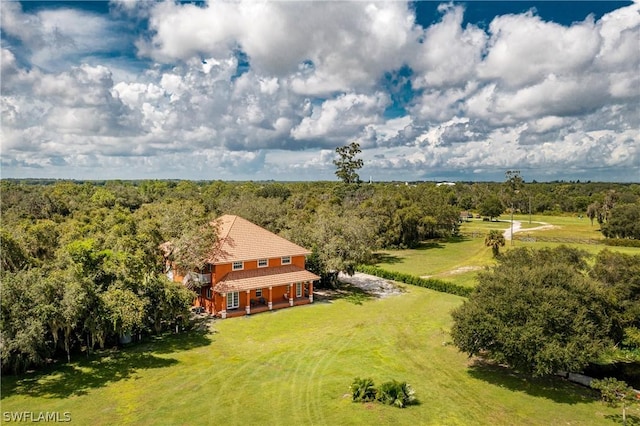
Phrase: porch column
pixel 223 313
pixel 291 294
pixel 270 298
pixel 310 291
pixel 248 306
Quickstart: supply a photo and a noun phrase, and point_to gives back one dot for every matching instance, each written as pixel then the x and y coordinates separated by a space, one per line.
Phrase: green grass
pixel 437 259
pixel 458 260
pixel 295 366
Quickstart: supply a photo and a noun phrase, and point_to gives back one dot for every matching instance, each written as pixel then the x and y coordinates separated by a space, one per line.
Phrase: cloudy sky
pixel 267 90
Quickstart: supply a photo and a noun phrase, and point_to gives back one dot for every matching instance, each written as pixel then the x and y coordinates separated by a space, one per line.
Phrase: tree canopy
pixel 537 312
pixel 347 165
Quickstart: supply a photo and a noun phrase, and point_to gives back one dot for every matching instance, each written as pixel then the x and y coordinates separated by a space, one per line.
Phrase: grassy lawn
pixel 295 366
pixel 458 260
pixel 438 259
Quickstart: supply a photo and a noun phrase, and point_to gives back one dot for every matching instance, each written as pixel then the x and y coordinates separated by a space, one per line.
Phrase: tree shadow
pixel 550 387
pixel 170 342
pixel 345 291
pixel 102 368
pixel 429 245
pixel 617 418
pixel 385 258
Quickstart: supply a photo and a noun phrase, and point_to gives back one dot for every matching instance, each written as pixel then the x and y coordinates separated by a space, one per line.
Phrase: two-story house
pixel 252 270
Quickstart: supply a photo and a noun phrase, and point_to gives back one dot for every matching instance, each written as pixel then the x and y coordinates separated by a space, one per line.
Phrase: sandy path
pixel 517 227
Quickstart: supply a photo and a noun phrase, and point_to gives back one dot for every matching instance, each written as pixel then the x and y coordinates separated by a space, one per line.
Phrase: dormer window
pixel 238 266
pixel 286 260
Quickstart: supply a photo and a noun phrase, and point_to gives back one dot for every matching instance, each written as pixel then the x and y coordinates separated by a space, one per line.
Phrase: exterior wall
pixel 219 271
pixel 201 300
pixel 298 261
pixel 217 303
pixel 278 293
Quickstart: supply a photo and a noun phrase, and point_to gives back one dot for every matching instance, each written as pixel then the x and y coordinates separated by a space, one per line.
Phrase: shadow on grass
pixel 617 418
pixel 553 388
pixel 441 242
pixel 345 291
pixel 385 258
pixel 102 368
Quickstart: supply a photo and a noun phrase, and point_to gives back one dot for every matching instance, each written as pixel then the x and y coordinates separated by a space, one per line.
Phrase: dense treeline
pixel 81 265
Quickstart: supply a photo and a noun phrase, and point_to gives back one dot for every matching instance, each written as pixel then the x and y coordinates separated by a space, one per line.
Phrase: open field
pixel 458 259
pixel 295 366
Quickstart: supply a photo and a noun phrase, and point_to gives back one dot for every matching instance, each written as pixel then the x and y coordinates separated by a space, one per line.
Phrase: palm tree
pixel 495 240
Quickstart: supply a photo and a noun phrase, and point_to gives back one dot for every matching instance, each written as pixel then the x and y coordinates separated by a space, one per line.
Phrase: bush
pixel 621 242
pixel 363 390
pixel 430 283
pixel 399 394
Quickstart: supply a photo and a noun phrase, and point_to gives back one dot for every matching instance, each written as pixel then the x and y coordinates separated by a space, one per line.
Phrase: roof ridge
pixel 243 240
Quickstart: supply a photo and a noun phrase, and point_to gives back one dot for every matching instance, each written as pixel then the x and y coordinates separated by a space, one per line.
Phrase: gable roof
pixel 262 278
pixel 241 240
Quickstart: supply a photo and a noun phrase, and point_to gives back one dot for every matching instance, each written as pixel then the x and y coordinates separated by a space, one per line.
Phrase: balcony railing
pixel 200 278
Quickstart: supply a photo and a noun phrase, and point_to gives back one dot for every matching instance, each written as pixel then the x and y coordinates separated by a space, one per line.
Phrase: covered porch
pixel 260 290
pixel 265 308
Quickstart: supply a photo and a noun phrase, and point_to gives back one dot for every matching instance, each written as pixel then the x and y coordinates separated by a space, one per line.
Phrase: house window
pixel 298 289
pixel 209 293
pixel 263 263
pixel 237 266
pixel 233 300
pixel 259 292
pixel 286 260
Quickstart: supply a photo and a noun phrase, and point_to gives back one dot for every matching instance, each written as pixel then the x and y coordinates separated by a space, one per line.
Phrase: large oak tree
pixel 537 312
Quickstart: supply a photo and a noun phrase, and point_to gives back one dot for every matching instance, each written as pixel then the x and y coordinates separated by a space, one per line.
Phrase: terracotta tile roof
pixel 262 278
pixel 241 240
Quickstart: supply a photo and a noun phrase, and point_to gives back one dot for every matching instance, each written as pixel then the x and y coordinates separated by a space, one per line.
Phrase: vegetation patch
pixel 394 393
pixel 430 283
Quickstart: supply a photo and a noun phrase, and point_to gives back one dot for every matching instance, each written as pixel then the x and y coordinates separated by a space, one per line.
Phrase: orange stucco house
pixel 253 270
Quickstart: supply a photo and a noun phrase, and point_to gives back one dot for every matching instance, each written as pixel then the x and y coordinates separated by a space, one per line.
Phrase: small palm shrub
pixel 399 394
pixel 363 390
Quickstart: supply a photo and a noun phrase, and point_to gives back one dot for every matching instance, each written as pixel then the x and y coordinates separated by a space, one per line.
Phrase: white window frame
pixel 237 266
pixel 209 293
pixel 285 260
pixel 263 263
pixel 233 300
pixel 298 289
pixel 258 292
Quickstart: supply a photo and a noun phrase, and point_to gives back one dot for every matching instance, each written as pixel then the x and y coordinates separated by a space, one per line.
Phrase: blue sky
pixel 268 90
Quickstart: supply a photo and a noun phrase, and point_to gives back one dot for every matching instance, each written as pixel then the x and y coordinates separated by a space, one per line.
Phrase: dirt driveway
pixel 373 285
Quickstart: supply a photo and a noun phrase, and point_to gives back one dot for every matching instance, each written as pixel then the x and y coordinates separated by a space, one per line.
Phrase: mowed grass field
pixel 294 367
pixel 459 259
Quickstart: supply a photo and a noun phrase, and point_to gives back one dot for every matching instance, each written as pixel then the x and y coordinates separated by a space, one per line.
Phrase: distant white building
pixel 445 183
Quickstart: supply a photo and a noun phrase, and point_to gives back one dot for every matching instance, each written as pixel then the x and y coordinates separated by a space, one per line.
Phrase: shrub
pixel 363 390
pixel 622 242
pixel 399 394
pixel 430 283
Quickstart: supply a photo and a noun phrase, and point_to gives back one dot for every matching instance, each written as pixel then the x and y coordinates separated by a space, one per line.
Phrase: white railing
pixel 201 278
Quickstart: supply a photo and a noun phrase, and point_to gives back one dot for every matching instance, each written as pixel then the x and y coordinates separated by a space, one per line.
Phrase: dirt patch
pixel 376 286
pixel 460 270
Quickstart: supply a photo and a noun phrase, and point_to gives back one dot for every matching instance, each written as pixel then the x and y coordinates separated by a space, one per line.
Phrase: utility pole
pixel 512 209
pixel 513 183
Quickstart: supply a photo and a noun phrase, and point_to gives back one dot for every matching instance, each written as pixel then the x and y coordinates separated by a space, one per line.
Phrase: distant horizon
pixel 363 182
pixel 214 90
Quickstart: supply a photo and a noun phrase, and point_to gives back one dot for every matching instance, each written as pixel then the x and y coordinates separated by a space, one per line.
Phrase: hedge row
pixel 430 283
pixel 622 242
